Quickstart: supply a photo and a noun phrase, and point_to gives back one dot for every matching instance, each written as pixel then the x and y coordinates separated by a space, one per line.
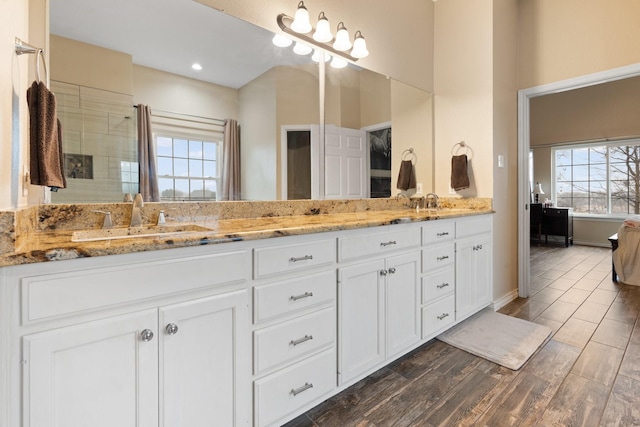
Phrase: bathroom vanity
pixel 244 333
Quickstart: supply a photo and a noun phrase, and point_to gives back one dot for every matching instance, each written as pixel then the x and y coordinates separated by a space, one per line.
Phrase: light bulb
pixel 323 30
pixel 342 42
pixel 301 22
pixel 281 41
pixel 359 46
pixel 196 66
pixel 338 62
pixel 317 54
pixel 301 49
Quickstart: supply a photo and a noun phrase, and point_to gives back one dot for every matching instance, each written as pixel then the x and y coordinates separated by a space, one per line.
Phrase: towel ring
pixel 458 146
pixel 40 55
pixel 408 154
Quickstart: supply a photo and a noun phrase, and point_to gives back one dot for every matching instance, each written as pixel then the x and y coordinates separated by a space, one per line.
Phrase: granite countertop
pixel 58 244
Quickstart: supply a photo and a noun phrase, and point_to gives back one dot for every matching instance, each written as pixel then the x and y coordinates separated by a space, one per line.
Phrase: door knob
pixel 146 335
pixel 171 329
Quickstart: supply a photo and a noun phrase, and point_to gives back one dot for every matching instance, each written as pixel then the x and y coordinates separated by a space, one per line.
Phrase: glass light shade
pixel 359 47
pixel 342 42
pixel 317 54
pixel 338 62
pixel 301 22
pixel 302 49
pixel 323 30
pixel 281 41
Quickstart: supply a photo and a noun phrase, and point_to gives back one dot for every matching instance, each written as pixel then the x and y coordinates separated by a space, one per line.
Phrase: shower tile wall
pixel 100 124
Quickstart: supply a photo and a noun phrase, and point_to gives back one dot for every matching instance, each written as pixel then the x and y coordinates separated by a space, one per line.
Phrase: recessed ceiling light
pixel 196 66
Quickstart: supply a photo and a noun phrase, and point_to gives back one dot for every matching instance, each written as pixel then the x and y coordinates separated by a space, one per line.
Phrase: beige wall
pixel 561 39
pixel 91 66
pixel 609 110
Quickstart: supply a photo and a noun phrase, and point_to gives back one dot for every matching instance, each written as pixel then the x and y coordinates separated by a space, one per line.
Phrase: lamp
pixel 537 191
pixel 301 22
pixel 299 27
pixel 323 30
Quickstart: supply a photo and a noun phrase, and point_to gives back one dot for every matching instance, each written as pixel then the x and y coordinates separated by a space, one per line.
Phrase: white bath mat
pixel 505 340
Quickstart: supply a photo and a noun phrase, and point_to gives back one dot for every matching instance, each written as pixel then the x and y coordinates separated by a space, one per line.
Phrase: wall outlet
pixel 419 188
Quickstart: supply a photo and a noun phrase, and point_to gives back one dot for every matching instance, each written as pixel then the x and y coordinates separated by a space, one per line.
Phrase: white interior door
pixel 346 173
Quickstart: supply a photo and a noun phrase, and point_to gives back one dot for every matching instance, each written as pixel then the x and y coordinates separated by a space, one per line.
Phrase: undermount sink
pixel 134 232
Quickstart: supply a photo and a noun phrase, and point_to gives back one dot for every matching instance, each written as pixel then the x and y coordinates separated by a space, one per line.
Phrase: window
pixel 598 179
pixel 129 177
pixel 187 169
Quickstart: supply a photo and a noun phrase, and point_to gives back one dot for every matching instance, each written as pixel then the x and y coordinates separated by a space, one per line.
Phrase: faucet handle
pixel 107 223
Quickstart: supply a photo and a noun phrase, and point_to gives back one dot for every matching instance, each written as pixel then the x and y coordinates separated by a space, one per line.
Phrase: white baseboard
pixel 597 244
pixel 497 305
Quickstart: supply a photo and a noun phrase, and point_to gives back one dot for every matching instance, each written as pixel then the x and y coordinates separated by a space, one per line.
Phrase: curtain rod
pixel 186 115
pixel 586 141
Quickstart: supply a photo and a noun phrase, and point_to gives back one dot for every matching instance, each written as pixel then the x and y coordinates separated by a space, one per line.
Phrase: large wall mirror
pixel 107 57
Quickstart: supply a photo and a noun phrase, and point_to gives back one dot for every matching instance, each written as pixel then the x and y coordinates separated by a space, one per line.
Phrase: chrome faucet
pixel 431 201
pixel 136 217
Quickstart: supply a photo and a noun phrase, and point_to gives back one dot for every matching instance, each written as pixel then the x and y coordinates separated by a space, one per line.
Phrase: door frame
pixel 524 97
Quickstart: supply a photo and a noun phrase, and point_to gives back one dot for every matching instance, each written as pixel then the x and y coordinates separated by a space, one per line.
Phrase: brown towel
pixel 459 177
pixel 46 159
pixel 406 177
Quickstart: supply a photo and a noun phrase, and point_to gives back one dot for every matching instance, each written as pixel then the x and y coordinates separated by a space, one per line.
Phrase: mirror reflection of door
pixel 298 164
pixel 380 161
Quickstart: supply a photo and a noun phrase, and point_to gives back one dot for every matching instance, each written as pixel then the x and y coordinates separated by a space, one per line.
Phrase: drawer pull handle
pixel 477 247
pixel 391 242
pixel 301 340
pixel 302 258
pixel 443 315
pixel 297 297
pixel 445 233
pixel 171 329
pixel 297 391
pixel 392 270
pixel 444 285
pixel 442 258
pixel 146 335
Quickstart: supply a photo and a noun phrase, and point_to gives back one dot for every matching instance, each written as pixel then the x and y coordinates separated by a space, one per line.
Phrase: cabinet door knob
pixel 146 335
pixel 392 270
pixel 383 272
pixel 171 329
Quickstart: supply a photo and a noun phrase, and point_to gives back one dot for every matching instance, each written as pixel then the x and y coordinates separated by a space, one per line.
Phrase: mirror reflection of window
pixel 187 169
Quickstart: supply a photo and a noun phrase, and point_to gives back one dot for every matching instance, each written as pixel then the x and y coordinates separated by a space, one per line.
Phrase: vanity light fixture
pixel 301 49
pixel 281 41
pixel 322 38
pixel 318 53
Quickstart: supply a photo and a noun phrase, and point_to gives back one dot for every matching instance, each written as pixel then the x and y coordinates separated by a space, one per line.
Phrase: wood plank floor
pixel 588 374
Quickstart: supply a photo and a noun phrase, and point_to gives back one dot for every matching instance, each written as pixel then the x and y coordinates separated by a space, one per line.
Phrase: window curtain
pixel 147 157
pixel 231 161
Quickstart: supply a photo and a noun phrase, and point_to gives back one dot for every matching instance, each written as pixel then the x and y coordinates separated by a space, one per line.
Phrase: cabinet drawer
pixel 473 225
pixel 281 259
pixel 372 244
pixel 438 256
pixel 49 295
pixel 285 391
pixel 438 284
pixel 289 296
pixel 289 340
pixel 438 315
pixel 440 231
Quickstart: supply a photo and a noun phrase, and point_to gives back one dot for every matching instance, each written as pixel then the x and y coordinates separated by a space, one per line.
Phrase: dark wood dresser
pixel 558 222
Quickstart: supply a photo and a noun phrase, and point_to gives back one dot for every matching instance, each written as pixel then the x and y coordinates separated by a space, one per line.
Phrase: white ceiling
pixel 170 35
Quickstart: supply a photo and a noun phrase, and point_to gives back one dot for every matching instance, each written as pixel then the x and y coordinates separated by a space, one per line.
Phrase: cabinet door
pixel 205 362
pixel 361 314
pixel 402 297
pixel 97 374
pixel 473 275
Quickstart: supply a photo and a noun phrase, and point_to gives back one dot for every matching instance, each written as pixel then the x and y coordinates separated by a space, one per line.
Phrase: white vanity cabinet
pixel 474 261
pixel 294 333
pixel 378 310
pixel 134 341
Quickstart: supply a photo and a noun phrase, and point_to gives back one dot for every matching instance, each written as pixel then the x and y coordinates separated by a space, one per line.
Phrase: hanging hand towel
pixel 459 176
pixel 46 159
pixel 406 177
